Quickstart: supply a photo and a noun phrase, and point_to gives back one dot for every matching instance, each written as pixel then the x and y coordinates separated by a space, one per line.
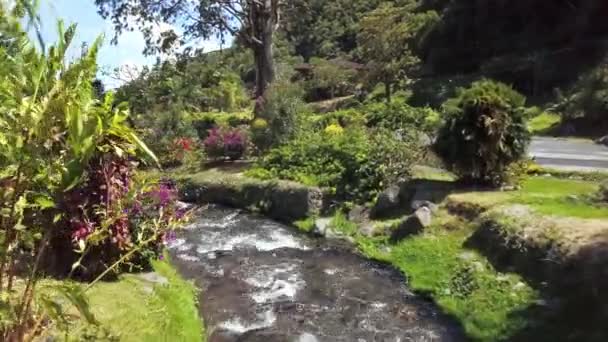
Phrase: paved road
pixel 569 154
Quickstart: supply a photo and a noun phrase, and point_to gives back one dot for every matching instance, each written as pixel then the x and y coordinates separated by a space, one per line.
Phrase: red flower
pixel 184 143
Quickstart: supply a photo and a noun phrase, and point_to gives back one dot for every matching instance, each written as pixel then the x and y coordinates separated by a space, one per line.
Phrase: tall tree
pixel 387 42
pixel 322 28
pixel 252 22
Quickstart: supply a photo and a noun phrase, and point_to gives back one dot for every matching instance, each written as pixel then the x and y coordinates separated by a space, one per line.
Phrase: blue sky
pixel 130 45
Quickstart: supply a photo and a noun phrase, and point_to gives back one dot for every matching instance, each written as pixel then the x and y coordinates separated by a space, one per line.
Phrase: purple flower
pixel 180 213
pixel 169 237
pixel 81 229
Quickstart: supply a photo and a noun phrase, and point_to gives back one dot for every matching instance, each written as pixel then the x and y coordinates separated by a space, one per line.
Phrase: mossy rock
pixel 281 200
pixel 566 257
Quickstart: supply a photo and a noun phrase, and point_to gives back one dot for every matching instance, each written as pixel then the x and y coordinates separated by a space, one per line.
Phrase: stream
pixel 264 281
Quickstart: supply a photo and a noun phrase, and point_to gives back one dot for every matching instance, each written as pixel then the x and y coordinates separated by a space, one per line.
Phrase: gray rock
pixel 388 202
pixel 413 224
pixel 281 200
pixel 367 229
pixel 424 215
pixel 322 226
pixel 359 214
pixel 425 204
pixel 424 139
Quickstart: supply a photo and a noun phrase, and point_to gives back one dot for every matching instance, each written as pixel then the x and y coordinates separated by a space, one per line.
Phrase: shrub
pixel 355 164
pixel 163 133
pixel 109 215
pixel 283 110
pixel 61 144
pixel 400 116
pixel 260 134
pixel 485 131
pixel 344 118
pixel 204 122
pixel 334 129
pixel 228 143
pixel 586 104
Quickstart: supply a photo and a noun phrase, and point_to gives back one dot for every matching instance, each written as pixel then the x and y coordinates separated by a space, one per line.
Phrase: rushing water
pixel 263 281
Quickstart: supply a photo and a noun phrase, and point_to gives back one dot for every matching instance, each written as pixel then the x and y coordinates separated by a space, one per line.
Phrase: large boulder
pixel 388 202
pixel 414 224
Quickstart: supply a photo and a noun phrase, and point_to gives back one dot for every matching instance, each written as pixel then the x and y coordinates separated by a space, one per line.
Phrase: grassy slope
pixel 461 281
pixel 543 123
pixel 546 195
pixel 489 304
pixel 134 310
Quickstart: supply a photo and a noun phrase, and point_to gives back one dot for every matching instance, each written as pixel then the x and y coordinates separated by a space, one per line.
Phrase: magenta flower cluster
pixel 228 143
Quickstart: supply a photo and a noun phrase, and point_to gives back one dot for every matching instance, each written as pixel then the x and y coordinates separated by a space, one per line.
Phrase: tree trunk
pixel 264 18
pixel 264 67
pixel 387 91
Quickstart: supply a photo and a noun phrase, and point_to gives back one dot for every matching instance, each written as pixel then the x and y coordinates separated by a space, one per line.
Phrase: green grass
pixel 560 197
pixel 546 195
pixel 132 309
pixel 543 123
pixel 461 281
pixel 307 225
pixel 341 224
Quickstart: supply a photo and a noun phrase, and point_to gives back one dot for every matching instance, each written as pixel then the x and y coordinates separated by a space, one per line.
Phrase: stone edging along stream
pixel 280 200
pixel 565 257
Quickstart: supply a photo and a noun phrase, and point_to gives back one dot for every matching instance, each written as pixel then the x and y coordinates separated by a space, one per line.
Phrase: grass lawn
pixel 133 309
pixel 546 195
pixel 462 282
pixel 543 123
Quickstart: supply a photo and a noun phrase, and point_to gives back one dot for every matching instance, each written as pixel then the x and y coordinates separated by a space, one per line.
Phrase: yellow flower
pixel 334 129
pixel 259 124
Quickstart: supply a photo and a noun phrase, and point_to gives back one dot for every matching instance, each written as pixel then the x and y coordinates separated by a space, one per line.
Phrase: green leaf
pixel 78 299
pixel 144 148
pixel 44 202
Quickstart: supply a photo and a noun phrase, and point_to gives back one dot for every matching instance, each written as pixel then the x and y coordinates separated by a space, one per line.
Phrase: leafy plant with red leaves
pixel 228 143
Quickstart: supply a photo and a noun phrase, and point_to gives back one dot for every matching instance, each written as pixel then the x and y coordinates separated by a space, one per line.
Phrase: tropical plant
pixel 169 134
pixel 485 131
pixel 399 116
pixel 57 139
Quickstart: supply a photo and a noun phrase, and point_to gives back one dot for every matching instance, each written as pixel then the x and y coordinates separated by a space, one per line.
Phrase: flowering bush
pixel 66 178
pixel 112 215
pixel 226 143
pixel 334 129
pixel 235 144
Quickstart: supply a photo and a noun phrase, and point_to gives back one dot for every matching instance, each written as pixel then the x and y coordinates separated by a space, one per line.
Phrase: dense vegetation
pixel 71 204
pixel 349 96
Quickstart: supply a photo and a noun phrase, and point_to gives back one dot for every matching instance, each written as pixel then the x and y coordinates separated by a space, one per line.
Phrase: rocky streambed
pixel 264 281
